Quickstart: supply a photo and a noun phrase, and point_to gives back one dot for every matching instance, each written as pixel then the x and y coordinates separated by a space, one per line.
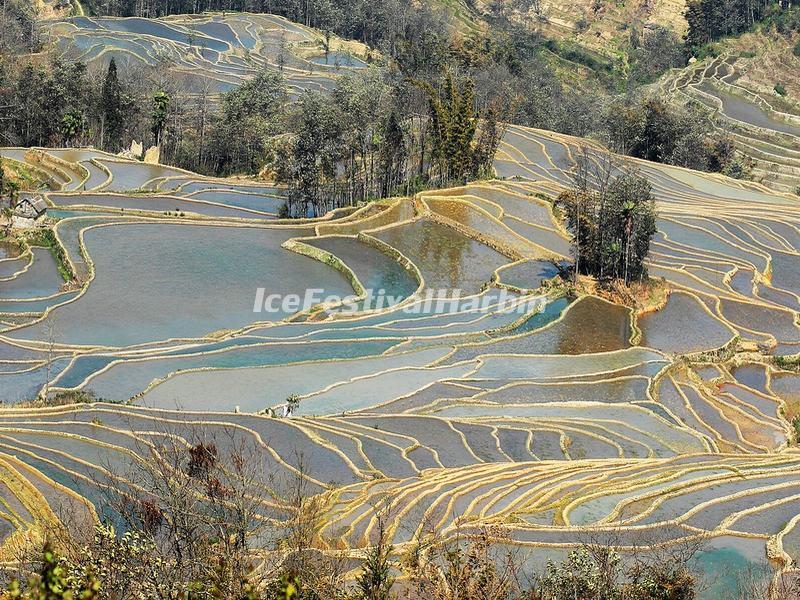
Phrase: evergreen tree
pixel 73 125
pixel 375 581
pixel 27 113
pixel 159 114
pixel 491 133
pixel 112 109
pixel 65 101
pixel 392 154
pixel 251 115
pixel 453 124
pixel 463 132
pixel 698 32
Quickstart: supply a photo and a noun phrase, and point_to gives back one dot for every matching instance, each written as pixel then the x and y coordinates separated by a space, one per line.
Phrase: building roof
pixel 31 206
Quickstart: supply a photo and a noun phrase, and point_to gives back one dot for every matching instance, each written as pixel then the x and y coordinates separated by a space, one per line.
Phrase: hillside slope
pixel 754 88
pixel 601 25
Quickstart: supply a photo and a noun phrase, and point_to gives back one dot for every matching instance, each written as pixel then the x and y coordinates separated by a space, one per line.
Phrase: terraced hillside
pixel 555 419
pixel 740 87
pixel 210 53
pixel 602 26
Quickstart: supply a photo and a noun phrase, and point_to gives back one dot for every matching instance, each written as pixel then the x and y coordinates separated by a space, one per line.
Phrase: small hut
pixel 28 211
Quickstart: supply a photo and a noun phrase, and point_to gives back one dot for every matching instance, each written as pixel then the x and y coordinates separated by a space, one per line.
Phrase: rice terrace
pixel 420 300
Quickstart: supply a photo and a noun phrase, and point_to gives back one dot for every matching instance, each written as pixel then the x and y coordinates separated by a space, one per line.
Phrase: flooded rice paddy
pixel 477 386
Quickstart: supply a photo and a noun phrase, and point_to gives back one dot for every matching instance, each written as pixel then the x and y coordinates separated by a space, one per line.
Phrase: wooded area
pixel 426 114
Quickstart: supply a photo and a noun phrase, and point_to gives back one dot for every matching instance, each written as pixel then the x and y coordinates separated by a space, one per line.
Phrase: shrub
pixel 788 363
pixel 50 582
pixel 780 89
pixel 797 48
pixel 72 397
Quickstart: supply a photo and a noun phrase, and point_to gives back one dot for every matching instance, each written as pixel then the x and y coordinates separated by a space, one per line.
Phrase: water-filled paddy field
pixel 207 52
pixel 735 88
pixel 561 417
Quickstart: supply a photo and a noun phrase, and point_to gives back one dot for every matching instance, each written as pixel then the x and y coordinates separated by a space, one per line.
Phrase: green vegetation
pixel 578 54
pixel 19 27
pixel 292 402
pixel 788 363
pixel 68 397
pixel 597 572
pixel 375 580
pixel 159 114
pixel 8 187
pixel 16 176
pixel 46 238
pixel 612 220
pixel 373 138
pixel 53 583
pixel 113 107
pixel 377 133
pixel 780 89
pixel 476 568
pixel 710 20
pixel 652 129
pixel 251 114
pixel 657 52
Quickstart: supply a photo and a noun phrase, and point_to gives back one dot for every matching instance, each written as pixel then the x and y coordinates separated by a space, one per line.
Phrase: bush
pixel 72 397
pixel 788 363
pixel 780 89
pixel 51 582
pixel 797 48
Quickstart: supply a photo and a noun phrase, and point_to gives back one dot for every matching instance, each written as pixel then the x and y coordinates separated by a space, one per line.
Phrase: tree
pixel 159 114
pixel 653 129
pixel 489 138
pixel 612 219
pixel 73 125
pixel 375 581
pixel 308 163
pixel 193 508
pixel 453 125
pixel 710 20
pixel 283 53
pixel 659 50
pixel 112 109
pixel 393 154
pixel 466 567
pixel 292 403
pixel 19 33
pixel 251 115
